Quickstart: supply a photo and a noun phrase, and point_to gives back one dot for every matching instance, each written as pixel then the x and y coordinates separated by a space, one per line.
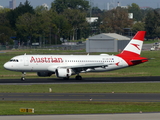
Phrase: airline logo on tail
pixel 136 45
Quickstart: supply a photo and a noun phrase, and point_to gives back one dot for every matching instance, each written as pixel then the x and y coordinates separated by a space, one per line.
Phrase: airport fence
pixel 53 47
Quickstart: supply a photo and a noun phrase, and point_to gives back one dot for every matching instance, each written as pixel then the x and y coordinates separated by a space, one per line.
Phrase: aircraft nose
pixel 6 66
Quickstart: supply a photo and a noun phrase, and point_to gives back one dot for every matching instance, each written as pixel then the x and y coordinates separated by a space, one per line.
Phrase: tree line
pixel 66 19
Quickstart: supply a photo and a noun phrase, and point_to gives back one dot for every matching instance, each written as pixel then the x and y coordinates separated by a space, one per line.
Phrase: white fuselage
pixel 37 63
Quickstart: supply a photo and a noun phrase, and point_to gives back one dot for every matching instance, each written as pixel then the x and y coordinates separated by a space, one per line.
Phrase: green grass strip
pixel 83 88
pixel 49 107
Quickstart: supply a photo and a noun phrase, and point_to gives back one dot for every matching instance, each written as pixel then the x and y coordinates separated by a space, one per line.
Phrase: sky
pixel 102 4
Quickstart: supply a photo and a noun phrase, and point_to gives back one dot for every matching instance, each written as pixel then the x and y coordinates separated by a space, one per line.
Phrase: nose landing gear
pixel 23 76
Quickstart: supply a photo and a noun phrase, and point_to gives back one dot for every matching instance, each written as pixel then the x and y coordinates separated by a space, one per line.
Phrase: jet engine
pixel 44 74
pixel 64 72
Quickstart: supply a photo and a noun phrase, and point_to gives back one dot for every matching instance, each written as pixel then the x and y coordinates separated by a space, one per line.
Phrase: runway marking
pixel 97 95
pixel 15 95
pixel 125 100
pixel 69 99
pixel 76 95
pixel 56 95
pixel 36 95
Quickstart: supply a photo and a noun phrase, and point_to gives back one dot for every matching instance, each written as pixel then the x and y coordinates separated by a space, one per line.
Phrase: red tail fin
pixel 134 47
pixel 131 53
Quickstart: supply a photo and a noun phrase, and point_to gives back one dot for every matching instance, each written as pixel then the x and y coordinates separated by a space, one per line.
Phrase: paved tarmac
pixel 135 116
pixel 105 97
pixel 85 80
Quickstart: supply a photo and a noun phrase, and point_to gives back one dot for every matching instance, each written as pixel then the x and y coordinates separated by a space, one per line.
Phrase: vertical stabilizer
pixel 131 53
pixel 134 47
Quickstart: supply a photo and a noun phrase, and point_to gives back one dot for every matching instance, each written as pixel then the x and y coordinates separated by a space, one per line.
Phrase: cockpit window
pixel 14 60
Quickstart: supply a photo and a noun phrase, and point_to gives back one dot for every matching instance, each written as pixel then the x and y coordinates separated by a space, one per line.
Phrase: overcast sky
pixel 102 4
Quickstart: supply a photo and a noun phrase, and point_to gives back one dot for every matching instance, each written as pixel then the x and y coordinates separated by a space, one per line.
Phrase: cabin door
pixel 26 61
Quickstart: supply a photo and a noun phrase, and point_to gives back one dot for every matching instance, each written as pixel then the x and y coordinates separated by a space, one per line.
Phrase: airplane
pixel 64 66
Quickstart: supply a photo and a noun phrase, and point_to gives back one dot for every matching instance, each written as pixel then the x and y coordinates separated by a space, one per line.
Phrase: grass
pixel 84 88
pixel 51 107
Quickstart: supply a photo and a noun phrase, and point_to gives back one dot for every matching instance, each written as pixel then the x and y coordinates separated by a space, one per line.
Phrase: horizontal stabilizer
pixel 139 61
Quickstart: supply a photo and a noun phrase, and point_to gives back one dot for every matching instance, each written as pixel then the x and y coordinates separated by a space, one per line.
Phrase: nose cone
pixel 6 66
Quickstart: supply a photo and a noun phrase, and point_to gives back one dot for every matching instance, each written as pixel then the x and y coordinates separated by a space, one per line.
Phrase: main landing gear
pixel 23 76
pixel 78 77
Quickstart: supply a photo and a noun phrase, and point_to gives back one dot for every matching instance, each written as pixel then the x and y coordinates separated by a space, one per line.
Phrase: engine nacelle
pixel 64 72
pixel 44 74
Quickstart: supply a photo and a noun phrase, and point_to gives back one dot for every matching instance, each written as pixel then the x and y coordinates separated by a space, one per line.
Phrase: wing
pixel 81 67
pixel 91 65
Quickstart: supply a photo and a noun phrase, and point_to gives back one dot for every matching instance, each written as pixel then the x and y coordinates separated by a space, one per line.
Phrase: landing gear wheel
pixel 78 77
pixel 23 78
